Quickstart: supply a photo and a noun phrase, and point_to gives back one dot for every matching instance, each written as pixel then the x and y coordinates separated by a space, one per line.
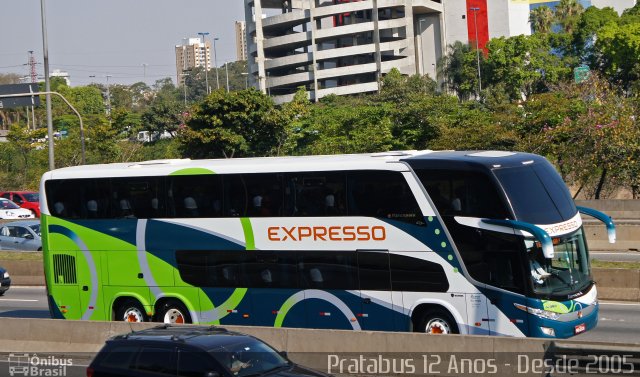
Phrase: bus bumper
pixel 540 327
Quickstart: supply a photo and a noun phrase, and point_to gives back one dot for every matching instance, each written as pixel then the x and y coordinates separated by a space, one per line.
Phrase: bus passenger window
pixel 328 270
pixel 383 194
pixel 315 194
pixel 411 274
pixel 195 196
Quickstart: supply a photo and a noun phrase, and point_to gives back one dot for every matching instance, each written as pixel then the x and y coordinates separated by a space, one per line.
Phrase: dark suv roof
pixel 205 337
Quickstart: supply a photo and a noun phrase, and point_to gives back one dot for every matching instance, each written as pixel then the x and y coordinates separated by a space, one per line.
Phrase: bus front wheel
pixel 131 311
pixel 437 322
pixel 173 312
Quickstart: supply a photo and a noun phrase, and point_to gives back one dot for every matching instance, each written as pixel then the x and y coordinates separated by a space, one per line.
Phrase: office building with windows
pixel 344 47
pixel 190 54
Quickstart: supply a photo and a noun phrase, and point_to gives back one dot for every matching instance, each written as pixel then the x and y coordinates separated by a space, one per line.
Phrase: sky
pixel 113 37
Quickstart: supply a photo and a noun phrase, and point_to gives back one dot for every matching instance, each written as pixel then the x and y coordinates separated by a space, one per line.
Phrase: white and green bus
pixel 439 242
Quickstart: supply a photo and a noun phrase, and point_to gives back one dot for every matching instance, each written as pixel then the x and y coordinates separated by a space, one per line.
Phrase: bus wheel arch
pixel 433 319
pixel 129 309
pixel 172 310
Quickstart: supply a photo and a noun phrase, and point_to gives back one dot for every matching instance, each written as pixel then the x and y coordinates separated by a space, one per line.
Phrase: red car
pixel 25 199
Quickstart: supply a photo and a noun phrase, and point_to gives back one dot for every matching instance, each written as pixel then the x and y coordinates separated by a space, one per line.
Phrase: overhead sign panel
pixel 19 101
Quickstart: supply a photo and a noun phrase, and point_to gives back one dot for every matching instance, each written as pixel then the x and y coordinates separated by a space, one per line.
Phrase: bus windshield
pixel 537 193
pixel 567 273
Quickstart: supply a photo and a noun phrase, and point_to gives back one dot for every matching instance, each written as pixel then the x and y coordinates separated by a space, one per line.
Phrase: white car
pixel 10 210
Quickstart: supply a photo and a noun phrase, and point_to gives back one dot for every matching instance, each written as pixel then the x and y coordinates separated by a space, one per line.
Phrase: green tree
pixel 568 13
pixel 524 64
pixel 592 20
pixel 618 47
pixel 541 19
pixel 399 88
pixel 347 125
pixel 458 70
pixel 233 124
pixel 165 113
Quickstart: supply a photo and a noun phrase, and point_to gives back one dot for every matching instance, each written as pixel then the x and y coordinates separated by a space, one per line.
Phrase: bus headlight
pixel 538 312
pixel 6 275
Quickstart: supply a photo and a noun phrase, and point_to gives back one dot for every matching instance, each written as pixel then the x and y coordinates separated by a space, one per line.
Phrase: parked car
pixel 5 281
pixel 10 210
pixel 21 235
pixel 25 199
pixel 178 350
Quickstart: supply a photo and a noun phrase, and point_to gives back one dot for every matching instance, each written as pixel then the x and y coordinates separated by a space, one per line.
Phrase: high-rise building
pixel 241 40
pixel 190 54
pixel 344 46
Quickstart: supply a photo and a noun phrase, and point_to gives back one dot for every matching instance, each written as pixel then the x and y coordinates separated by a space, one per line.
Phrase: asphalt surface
pixel 616 256
pixel 619 322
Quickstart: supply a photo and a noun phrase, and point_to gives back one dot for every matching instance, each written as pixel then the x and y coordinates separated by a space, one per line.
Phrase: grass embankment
pixel 607 264
pixel 20 255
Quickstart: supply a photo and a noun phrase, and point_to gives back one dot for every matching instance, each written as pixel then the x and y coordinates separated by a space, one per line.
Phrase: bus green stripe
pixel 250 243
pixel 193 171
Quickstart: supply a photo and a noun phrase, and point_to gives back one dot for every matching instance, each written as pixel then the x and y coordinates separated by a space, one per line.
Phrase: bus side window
pixel 194 196
pixel 328 270
pixel 315 194
pixel 383 194
pixel 411 274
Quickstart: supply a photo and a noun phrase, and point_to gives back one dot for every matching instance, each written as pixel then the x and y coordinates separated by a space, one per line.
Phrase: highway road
pixel 616 256
pixel 619 322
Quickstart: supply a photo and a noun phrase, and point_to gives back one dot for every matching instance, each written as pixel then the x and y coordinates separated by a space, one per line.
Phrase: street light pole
pixel 108 99
pixel 475 23
pixel 215 61
pixel 47 84
pixel 184 84
pixel 206 61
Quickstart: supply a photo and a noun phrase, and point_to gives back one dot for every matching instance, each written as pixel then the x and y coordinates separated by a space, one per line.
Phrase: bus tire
pixel 131 311
pixel 173 311
pixel 437 321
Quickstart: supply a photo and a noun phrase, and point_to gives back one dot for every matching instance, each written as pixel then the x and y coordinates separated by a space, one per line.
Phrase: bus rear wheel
pixel 173 312
pixel 131 311
pixel 437 322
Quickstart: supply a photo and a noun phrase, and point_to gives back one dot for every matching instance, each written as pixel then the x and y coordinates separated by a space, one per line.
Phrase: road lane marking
pixel 620 303
pixel 17 300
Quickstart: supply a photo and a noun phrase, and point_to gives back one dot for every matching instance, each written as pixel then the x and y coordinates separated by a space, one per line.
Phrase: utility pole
pixel 34 79
pixel 144 69
pixel 47 84
pixel 108 99
pixel 215 61
pixel 226 68
pixel 206 60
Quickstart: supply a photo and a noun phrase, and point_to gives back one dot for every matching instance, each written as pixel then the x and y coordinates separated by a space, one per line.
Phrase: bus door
pixel 375 290
pixel 64 285
pixel 330 283
pixel 274 280
pixel 477 314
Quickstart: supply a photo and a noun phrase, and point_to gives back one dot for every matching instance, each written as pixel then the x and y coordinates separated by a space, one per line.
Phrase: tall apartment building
pixel 241 40
pixel 190 54
pixel 344 46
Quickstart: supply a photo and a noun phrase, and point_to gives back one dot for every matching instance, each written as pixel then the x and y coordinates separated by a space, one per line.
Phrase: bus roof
pixel 370 161
pixel 485 160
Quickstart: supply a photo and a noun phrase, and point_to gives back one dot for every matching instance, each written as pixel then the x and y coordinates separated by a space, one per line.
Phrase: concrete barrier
pixel 617 284
pixel 332 351
pixel 24 272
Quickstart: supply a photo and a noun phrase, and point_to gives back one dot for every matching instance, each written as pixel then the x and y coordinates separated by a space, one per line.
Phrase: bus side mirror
pixel 536 231
pixel 608 222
